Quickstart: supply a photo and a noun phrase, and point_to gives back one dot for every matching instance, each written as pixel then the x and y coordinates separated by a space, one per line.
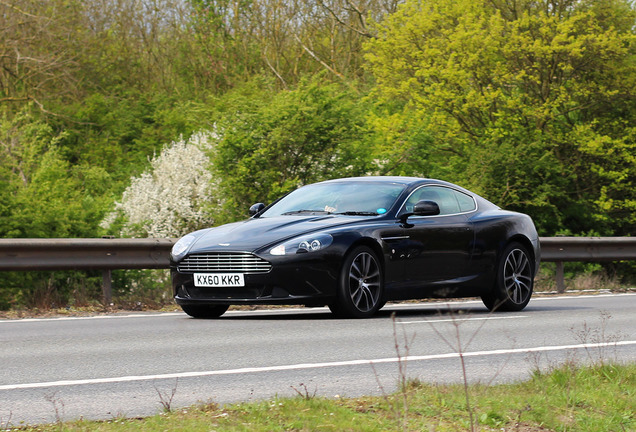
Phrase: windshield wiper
pixel 306 211
pixel 358 213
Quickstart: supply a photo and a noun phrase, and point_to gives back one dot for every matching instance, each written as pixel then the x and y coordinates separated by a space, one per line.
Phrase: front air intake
pixel 223 262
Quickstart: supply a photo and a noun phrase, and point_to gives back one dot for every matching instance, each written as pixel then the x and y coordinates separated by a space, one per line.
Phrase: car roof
pixel 392 179
pixel 413 182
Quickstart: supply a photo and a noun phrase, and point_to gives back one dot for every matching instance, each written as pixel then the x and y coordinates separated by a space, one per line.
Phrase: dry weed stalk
pixel 400 411
pixel 165 399
pixel 58 407
pixel 457 346
pixel 305 394
pixel 598 336
pixel 5 425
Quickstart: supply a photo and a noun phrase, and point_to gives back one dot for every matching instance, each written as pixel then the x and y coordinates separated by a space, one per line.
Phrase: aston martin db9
pixel 353 244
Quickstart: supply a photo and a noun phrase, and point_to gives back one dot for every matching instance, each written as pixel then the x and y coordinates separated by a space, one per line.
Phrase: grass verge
pixel 567 398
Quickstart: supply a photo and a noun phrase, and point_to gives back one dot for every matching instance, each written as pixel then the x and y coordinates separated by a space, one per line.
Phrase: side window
pixel 466 203
pixel 448 200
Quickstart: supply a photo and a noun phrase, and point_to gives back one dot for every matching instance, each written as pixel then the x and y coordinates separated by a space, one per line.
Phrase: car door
pixel 437 249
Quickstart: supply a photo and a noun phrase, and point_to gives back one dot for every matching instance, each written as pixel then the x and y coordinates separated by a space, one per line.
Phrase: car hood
pixel 254 234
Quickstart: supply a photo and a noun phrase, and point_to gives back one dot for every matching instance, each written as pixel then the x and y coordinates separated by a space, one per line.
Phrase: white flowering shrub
pixel 175 195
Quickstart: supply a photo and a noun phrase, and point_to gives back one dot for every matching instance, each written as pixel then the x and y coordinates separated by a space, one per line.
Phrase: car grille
pixel 224 262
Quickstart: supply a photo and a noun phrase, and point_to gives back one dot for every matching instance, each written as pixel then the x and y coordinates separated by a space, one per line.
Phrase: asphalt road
pixel 124 365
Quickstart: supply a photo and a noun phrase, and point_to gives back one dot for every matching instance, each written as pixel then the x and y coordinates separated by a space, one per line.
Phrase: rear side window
pixel 466 202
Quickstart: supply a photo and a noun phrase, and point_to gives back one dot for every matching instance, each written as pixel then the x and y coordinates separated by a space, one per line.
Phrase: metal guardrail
pixel 592 249
pixel 154 253
pixel 85 254
pixel 585 249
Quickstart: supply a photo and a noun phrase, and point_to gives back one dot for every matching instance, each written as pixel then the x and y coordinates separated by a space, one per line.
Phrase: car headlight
pixel 305 244
pixel 181 247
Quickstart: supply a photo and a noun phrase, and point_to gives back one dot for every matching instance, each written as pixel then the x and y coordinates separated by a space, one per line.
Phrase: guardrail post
pixel 107 286
pixel 107 281
pixel 560 279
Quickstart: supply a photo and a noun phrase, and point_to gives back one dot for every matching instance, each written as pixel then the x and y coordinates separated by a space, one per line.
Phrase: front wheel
pixel 205 311
pixel 360 286
pixel 513 287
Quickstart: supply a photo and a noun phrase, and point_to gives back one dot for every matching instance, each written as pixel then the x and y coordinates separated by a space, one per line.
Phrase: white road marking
pixel 462 319
pixel 305 310
pixel 532 300
pixel 79 318
pixel 309 366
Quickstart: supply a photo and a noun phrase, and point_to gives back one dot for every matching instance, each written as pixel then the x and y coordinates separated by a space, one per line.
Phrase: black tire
pixel 361 285
pixel 515 280
pixel 205 311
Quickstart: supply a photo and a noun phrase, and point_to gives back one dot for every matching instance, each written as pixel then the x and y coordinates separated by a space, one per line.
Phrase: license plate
pixel 216 280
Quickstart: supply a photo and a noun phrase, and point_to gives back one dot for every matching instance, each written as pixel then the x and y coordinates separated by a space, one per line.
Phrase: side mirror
pixel 421 208
pixel 256 209
pixel 426 208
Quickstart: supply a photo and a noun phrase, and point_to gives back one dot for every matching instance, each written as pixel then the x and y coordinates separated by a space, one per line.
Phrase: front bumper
pixel 306 279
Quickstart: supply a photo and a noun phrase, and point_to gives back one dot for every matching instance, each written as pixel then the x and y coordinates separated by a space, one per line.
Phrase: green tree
pixel 531 102
pixel 273 142
pixel 43 194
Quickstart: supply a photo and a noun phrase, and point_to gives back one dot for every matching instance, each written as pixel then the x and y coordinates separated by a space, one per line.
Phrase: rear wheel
pixel 361 285
pixel 514 284
pixel 205 311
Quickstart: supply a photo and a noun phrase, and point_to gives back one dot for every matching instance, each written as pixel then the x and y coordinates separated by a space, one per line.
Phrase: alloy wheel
pixel 364 282
pixel 517 276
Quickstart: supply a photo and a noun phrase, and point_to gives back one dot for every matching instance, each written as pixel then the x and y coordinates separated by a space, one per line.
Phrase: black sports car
pixel 355 243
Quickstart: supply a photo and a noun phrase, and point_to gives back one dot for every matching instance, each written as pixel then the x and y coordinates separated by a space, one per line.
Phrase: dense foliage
pixel 530 103
pixel 279 140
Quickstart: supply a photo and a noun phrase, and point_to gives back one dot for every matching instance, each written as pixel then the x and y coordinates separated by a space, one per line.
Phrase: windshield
pixel 349 198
